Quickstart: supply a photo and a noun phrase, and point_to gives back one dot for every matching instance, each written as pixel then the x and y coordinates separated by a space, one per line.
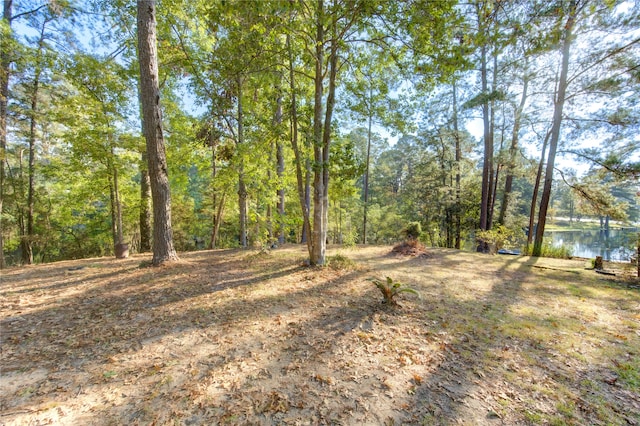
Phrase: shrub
pixel 412 231
pixel 497 238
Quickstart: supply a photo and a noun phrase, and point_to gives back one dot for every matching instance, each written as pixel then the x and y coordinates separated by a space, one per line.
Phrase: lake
pixel 615 244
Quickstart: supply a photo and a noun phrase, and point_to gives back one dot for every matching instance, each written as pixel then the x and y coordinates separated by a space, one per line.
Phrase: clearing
pixel 249 337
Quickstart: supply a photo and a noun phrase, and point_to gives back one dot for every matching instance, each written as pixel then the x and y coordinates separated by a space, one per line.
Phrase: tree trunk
pixel 214 195
pixel 5 70
pixel 487 167
pixel 242 186
pixel 217 221
pixel 513 148
pixel 280 171
pixel 163 249
pixel 536 189
pixel 322 140
pixel 366 180
pixel 27 240
pixel 555 129
pixel 145 205
pixel 112 208
pixel 318 242
pixel 458 208
pixel 116 190
pixel 300 178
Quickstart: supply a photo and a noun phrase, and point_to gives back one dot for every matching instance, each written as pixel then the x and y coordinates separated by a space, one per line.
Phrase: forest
pixel 318 122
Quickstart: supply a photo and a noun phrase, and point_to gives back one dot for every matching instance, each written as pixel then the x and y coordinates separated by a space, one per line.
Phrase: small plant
pixel 390 289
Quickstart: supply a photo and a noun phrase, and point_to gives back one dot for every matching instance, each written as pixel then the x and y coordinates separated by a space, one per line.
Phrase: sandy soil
pixel 248 337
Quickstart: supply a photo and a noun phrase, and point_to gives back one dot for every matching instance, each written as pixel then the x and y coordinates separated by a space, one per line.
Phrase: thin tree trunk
pixel 116 191
pixel 487 168
pixel 112 209
pixel 366 180
pixel 218 221
pixel 280 170
pixel 318 243
pixel 27 240
pixel 163 249
pixel 458 209
pixel 326 139
pixel 513 148
pixel 555 129
pixel 5 70
pixel 536 189
pixel 214 195
pixel 242 186
pixel 302 181
pixel 492 121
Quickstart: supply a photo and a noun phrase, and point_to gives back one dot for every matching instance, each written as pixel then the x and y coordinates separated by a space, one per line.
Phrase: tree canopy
pixel 313 121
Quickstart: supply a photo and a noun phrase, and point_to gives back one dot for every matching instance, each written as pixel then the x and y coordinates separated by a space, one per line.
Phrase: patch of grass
pixel 340 262
pixel 629 373
pixel 562 252
pixel 532 417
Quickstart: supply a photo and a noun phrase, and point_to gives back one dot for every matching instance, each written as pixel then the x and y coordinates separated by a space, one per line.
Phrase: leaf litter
pixel 237 337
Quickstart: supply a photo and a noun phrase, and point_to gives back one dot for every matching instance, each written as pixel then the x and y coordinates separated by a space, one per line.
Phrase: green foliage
pixel 390 289
pixel 629 373
pixel 412 231
pixel 497 238
pixel 562 252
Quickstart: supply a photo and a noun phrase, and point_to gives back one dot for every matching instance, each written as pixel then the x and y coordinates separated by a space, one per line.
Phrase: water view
pixel 614 245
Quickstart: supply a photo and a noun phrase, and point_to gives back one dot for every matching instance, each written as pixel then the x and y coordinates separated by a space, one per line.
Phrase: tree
pixel 5 62
pixel 163 250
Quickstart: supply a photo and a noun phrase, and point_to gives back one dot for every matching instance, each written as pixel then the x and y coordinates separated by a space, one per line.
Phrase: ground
pixel 251 337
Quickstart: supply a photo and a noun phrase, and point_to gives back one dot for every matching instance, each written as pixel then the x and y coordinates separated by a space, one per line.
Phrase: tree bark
pixel 145 205
pixel 536 189
pixel 318 242
pixel 555 129
pixel 163 249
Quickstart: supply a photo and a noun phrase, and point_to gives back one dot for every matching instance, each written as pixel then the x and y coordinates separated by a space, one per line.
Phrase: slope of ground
pixel 240 337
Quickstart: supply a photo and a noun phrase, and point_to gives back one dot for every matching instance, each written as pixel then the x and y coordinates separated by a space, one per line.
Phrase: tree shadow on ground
pixel 271 342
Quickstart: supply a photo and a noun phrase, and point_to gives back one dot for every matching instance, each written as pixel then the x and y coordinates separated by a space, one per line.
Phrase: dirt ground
pixel 249 337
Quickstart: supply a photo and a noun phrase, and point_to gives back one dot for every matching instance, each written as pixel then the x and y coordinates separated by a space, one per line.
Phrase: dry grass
pixel 236 337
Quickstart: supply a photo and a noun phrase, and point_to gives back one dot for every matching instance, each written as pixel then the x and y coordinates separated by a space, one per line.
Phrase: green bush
pixel 412 231
pixel 497 238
